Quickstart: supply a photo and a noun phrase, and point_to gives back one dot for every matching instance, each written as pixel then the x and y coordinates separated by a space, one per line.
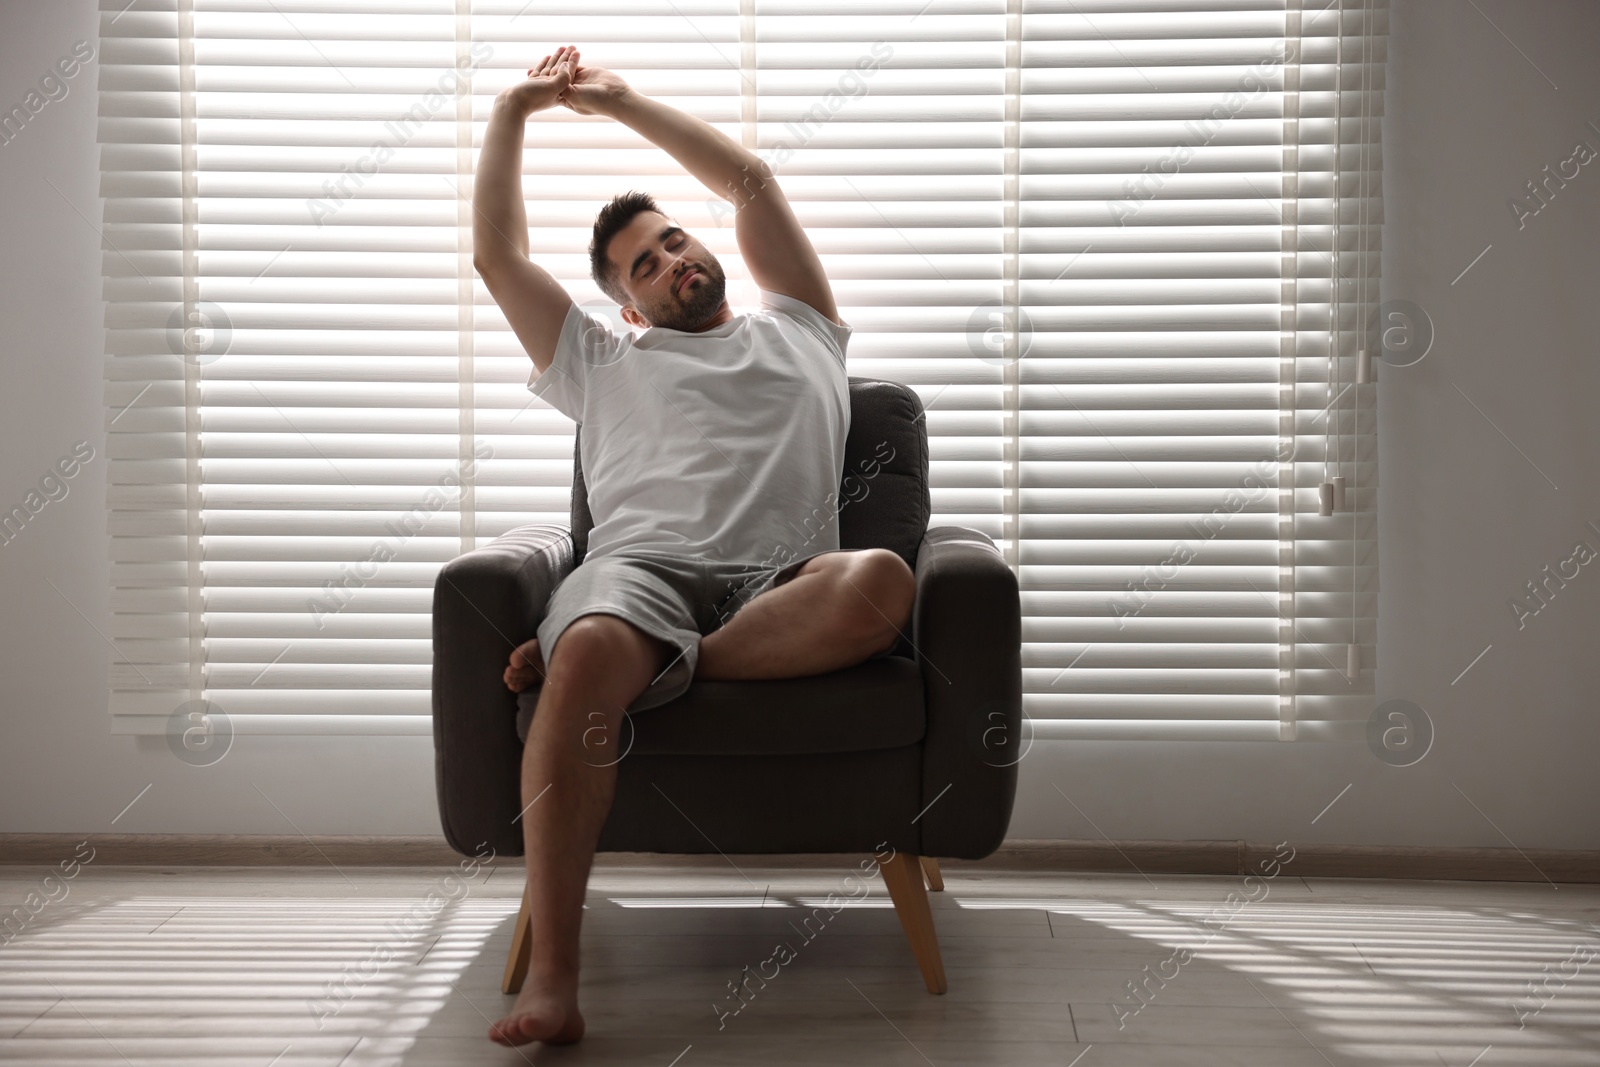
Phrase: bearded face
pixel 671 279
pixel 688 295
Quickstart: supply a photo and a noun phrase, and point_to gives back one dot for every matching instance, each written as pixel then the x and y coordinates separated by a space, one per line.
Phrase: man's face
pixel 671 279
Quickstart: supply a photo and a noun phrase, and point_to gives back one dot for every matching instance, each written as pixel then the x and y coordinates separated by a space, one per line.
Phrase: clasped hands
pixel 558 79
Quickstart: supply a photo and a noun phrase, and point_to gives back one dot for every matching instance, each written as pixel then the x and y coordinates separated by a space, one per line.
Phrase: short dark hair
pixel 613 218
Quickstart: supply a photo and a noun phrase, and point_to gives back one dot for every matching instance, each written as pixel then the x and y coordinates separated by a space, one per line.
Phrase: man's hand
pixel 546 82
pixel 593 90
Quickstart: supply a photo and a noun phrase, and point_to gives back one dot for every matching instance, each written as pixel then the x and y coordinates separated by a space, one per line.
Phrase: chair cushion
pixel 873 705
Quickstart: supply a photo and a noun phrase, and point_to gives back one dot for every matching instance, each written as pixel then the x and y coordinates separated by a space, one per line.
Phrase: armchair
pixel 911 752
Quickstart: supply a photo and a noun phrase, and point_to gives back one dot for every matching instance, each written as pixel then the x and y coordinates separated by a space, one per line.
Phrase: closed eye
pixel 672 240
pixel 672 245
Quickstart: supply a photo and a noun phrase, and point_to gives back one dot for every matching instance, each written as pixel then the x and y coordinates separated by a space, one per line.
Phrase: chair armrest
pixel 486 603
pixel 967 628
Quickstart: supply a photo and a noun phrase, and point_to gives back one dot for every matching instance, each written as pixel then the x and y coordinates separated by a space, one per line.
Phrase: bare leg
pixel 838 610
pixel 599 665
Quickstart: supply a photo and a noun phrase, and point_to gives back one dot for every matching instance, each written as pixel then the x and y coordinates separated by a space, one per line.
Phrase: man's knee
pixel 887 588
pixel 600 644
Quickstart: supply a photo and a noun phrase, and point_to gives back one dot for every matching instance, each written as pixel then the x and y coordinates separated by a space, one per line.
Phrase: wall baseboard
pixel 1128 857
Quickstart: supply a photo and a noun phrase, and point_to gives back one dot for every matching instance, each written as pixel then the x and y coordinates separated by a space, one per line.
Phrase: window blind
pixel 1123 250
pixel 1196 229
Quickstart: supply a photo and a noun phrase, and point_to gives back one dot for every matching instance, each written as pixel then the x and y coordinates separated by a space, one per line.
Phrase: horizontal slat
pixel 409 718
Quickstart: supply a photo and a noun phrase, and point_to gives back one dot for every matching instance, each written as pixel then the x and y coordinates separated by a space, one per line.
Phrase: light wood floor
pixel 213 966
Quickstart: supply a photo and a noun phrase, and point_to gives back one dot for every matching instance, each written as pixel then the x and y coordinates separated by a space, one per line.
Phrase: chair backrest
pixel 883 490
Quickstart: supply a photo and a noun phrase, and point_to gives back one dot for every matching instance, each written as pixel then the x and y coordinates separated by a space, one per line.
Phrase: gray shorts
pixel 676 598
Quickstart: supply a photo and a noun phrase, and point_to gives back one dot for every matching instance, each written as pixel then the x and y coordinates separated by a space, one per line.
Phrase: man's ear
pixel 631 316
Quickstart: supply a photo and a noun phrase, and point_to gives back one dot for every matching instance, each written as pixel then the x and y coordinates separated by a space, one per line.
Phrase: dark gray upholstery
pixel 916 749
pixel 883 707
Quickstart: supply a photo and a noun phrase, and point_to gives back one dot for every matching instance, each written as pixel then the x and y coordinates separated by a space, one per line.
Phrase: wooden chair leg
pixel 930 870
pixel 903 876
pixel 521 950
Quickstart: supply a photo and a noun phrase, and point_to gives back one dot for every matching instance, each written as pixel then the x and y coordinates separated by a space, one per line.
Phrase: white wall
pixel 1466 519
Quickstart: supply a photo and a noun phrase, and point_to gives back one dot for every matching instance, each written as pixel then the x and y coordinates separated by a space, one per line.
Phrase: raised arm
pixel 534 303
pixel 771 240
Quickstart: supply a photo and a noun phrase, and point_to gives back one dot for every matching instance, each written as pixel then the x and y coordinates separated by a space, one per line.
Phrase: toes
pixel 526 665
pixel 511 1031
pixel 521 1029
pixel 506 1031
pixel 519 676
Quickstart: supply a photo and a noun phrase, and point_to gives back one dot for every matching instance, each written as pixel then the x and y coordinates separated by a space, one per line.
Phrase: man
pixel 712 443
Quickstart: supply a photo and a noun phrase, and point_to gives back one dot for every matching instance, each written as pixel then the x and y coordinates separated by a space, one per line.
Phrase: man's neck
pixel 723 315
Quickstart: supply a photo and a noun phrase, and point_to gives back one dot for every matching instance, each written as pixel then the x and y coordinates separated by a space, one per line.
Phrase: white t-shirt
pixel 726 444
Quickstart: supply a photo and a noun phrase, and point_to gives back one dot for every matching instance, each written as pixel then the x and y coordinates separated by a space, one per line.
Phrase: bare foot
pixel 540 1016
pixel 526 667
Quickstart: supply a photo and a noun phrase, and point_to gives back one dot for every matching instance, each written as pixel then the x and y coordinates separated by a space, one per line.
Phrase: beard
pixel 690 309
